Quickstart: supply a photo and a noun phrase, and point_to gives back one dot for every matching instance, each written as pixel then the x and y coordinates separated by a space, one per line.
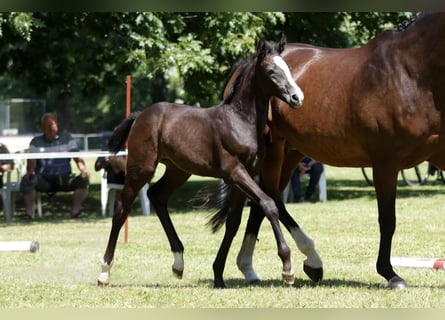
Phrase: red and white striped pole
pixel 431 263
pixel 127 113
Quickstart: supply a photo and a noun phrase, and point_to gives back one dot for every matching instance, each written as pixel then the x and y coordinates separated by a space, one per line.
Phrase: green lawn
pixel 345 231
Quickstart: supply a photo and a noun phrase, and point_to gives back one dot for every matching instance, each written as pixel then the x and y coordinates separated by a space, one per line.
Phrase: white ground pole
pixel 431 263
pixel 31 246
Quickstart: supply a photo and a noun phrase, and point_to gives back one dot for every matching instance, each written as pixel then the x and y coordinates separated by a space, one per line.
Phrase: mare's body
pixel 381 105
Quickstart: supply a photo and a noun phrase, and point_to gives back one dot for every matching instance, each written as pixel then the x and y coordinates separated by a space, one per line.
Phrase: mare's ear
pixel 282 43
pixel 261 48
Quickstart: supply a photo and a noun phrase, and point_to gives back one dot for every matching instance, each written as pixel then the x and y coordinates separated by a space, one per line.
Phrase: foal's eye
pixel 270 71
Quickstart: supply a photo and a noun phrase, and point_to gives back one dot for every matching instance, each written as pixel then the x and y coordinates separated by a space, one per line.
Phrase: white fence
pixel 86 142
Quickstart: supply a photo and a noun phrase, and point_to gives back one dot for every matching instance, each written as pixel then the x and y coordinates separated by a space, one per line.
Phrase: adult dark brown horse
pixel 381 105
pixel 224 141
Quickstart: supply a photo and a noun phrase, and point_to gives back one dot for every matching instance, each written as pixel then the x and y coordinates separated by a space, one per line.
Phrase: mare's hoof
pixel 254 282
pixel 315 274
pixel 178 273
pixel 289 278
pixel 396 283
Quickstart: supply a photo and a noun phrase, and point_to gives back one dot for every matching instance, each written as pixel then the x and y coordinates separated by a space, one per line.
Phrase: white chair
pixel 10 188
pixel 7 191
pixel 108 195
pixel 322 195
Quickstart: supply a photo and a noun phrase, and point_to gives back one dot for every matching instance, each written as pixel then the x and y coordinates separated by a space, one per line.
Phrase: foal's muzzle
pixel 296 99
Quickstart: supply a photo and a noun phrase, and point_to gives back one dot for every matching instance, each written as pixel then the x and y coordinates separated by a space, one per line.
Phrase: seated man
pixel 5 165
pixel 314 169
pixel 52 175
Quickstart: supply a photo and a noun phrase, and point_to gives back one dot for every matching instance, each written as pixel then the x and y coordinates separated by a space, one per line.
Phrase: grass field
pixel 345 230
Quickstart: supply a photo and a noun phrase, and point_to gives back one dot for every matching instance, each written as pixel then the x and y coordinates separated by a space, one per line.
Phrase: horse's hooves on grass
pixel 102 284
pixel 178 273
pixel 103 280
pixel 315 274
pixel 396 283
pixel 254 282
pixel 219 285
pixel 289 278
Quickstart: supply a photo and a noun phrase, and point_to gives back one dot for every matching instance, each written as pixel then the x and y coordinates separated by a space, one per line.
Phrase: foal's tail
pixel 120 133
pixel 218 218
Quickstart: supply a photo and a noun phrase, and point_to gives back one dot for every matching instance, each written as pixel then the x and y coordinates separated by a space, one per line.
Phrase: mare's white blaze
pixel 178 263
pixel 279 61
pixel 244 259
pixel 306 246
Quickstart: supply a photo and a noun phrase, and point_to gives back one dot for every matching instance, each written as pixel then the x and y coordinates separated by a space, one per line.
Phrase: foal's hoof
pixel 396 283
pixel 288 277
pixel 178 273
pixel 219 285
pixel 315 274
pixel 103 280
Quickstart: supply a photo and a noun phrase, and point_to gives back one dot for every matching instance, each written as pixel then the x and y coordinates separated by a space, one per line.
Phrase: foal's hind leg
pixel 133 183
pixel 159 194
pixel 235 205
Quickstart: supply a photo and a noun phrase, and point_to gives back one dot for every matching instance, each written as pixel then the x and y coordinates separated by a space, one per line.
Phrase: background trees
pixel 78 61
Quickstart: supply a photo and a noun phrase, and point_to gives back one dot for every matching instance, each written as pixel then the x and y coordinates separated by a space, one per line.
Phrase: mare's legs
pixel 134 181
pixel 235 206
pixel 273 179
pixel 385 183
pixel 159 194
pixel 240 177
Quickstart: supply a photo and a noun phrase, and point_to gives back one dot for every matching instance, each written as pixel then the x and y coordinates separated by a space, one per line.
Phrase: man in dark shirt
pixel 52 175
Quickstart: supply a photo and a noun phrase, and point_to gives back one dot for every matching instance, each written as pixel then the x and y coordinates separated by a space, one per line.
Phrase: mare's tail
pixel 120 133
pixel 218 218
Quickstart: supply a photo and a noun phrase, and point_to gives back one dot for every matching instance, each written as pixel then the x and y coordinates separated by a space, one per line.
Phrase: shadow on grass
pixel 239 283
pixel 356 189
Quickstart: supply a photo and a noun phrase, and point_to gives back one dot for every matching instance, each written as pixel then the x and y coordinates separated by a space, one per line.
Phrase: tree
pixel 78 61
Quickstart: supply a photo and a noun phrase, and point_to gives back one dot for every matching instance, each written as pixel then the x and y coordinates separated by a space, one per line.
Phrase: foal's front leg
pixel 121 212
pixel 242 179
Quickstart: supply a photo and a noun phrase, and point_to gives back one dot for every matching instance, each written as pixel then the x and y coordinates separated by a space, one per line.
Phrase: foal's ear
pixel 282 43
pixel 261 48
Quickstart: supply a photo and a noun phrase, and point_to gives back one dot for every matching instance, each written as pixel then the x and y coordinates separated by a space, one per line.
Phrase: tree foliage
pixel 78 61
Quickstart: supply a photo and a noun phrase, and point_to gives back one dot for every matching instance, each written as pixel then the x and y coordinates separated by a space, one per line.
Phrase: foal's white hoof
pixel 103 280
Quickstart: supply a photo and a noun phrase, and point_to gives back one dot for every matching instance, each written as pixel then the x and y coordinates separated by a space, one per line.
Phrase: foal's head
pixel 274 74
